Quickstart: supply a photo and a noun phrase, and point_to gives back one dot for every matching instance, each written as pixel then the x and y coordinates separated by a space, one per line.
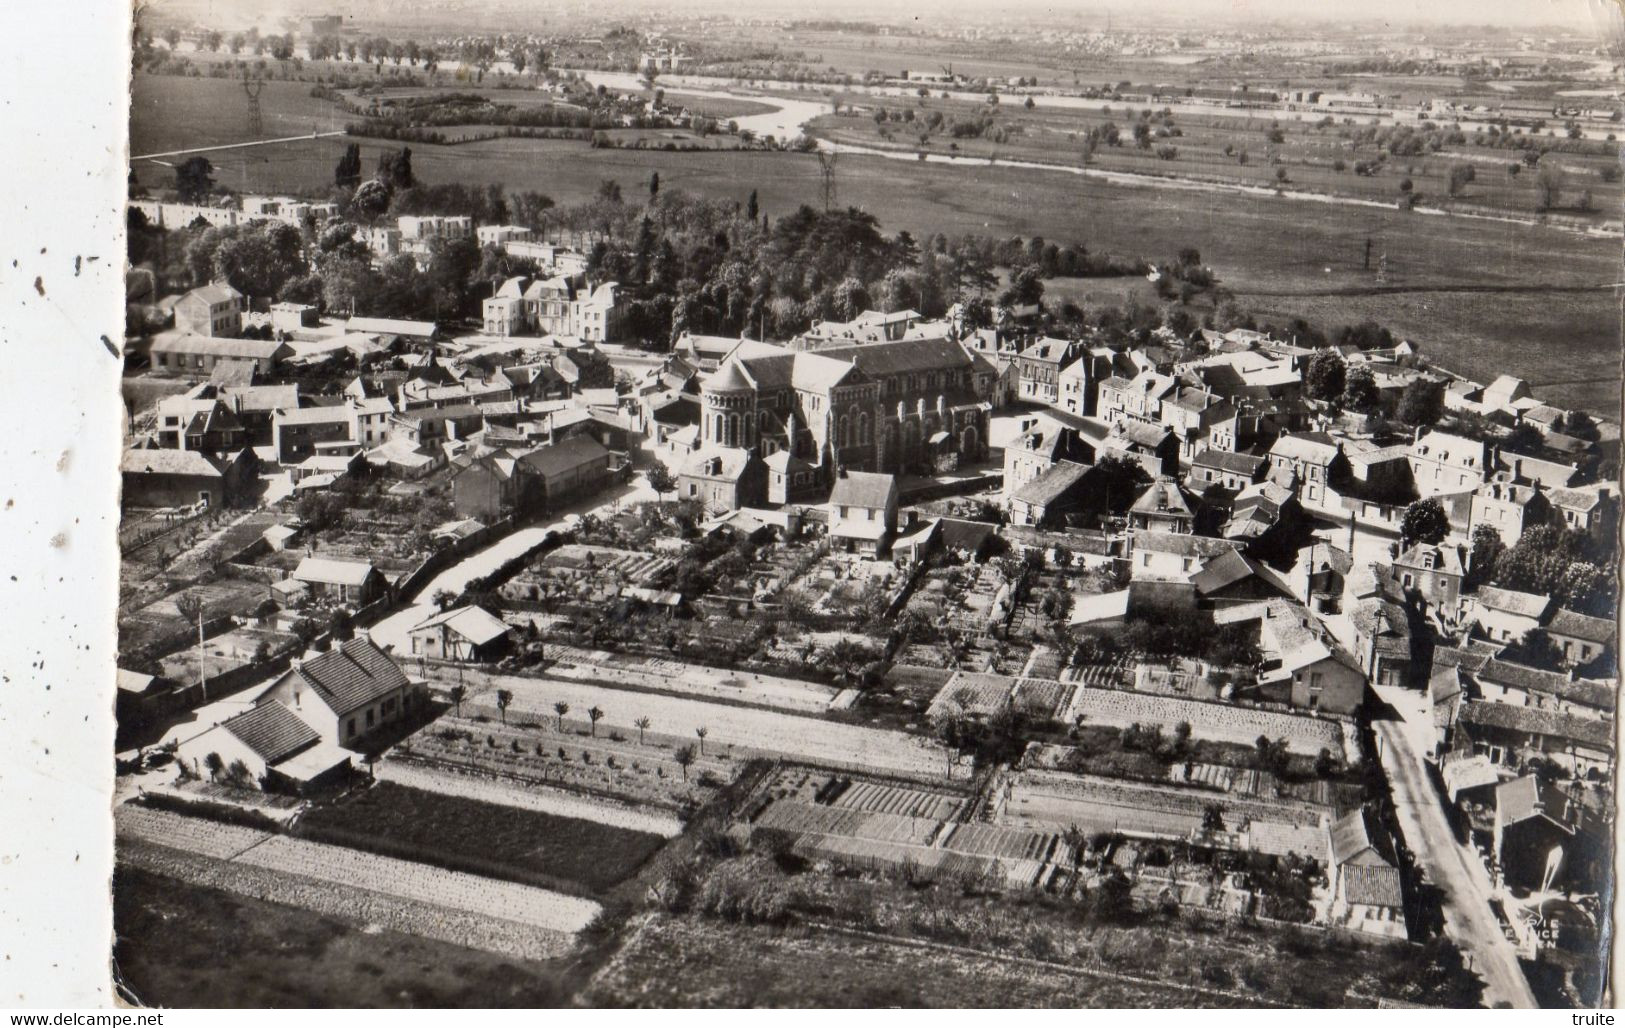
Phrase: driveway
pixel 1445 863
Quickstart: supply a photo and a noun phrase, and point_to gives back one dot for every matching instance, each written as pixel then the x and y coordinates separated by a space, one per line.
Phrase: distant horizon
pixel 1597 16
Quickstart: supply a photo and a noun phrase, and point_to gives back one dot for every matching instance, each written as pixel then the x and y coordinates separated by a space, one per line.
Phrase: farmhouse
pixel 274 746
pixel 347 694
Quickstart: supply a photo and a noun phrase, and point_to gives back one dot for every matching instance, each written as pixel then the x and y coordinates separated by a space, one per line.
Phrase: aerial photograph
pixel 853 505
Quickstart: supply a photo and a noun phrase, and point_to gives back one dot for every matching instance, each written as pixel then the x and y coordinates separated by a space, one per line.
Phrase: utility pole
pixel 252 87
pixel 826 170
pixel 202 668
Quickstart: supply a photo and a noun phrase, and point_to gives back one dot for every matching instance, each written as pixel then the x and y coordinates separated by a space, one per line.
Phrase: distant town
pixel 654 591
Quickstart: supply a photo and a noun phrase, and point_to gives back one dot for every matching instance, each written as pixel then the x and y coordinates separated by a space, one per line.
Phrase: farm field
pixel 482 837
pixel 187 945
pixel 1220 722
pixel 1315 270
pixel 293 864
pixel 548 801
pixel 687 961
pixel 169 112
pixel 736 730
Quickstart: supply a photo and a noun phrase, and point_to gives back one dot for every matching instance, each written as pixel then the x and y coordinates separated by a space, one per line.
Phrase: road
pixel 1447 864
pixel 235 146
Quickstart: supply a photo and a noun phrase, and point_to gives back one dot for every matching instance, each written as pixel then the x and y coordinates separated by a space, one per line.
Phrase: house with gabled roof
pixel 1162 507
pixel 1366 893
pixel 464 634
pixel 1580 638
pixel 863 511
pixel 1512 734
pixel 1434 572
pixel 1313 461
pixel 348 694
pixel 1231 471
pixel 726 478
pixel 1506 615
pixel 1043 502
pixel 276 747
pixel 215 309
pixel 351 581
pixel 180 478
pixel 1445 463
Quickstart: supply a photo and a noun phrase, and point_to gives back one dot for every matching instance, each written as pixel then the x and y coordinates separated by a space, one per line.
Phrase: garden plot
pixel 1041 697
pixel 972 693
pixel 1117 675
pixel 338 865
pixel 894 799
pixel 531 797
pixel 679 676
pixel 1219 722
pixel 1045 662
pixel 736 731
pixel 799 818
pixel 635 567
pixel 531 750
pixel 1044 799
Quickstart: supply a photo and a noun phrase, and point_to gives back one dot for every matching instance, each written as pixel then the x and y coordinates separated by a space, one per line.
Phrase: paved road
pixel 1447 864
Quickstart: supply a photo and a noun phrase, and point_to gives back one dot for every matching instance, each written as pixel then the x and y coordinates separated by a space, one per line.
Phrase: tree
pixel 1212 819
pixel 443 598
pixel 194 179
pixel 561 708
pixel 1486 550
pixel 661 480
pixel 685 758
pixel 1549 183
pixel 348 172
pixel 504 698
pixel 458 693
pixel 1360 389
pixel 190 606
pixel 1326 375
pixel 340 625
pixel 752 209
pixel 1424 521
pixel 654 186
pixel 642 724
pixel 214 764
pixel 1460 176
pixel 702 732
pixel 1422 403
pixel 595 715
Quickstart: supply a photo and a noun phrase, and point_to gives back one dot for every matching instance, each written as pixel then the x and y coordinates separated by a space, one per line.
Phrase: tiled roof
pixel 352 676
pixel 272 731
pixel 565 456
pixel 1540 721
pixel 220 346
pixel 1583 691
pixel 1372 885
pixel 863 489
pixel 1582 626
pixel 1244 464
pixel 1354 834
pixel 1529 605
pixel 169 462
pixel 1054 482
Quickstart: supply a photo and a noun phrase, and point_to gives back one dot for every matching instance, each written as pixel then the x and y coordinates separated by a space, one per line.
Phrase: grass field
pixel 168 112
pixel 1307 153
pixel 183 945
pixel 1284 256
pixel 686 961
pixel 483 837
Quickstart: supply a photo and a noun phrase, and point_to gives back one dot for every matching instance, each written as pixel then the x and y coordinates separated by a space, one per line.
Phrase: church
pixel 903 407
